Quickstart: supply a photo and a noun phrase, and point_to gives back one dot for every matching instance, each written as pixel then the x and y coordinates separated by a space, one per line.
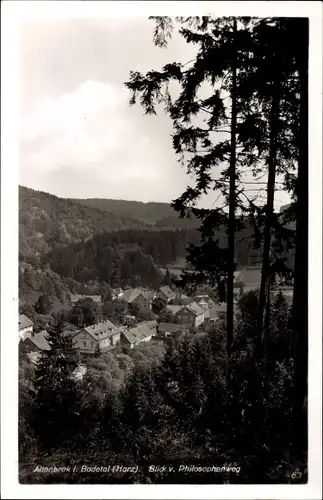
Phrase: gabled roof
pixel 174 308
pixel 24 322
pixel 141 331
pixel 166 290
pixel 195 308
pixel 101 330
pixel 148 294
pixel 40 340
pixel 131 294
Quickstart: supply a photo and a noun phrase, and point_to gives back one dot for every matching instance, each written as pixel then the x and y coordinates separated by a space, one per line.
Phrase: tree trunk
pixel 300 299
pixel 265 271
pixel 232 199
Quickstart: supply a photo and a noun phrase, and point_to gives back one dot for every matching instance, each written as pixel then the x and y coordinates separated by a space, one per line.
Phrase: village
pixel 178 314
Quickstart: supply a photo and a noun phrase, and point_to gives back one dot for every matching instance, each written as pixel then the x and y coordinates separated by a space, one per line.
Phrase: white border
pixel 12 13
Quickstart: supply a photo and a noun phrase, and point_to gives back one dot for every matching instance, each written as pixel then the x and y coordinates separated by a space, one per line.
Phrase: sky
pixel 79 137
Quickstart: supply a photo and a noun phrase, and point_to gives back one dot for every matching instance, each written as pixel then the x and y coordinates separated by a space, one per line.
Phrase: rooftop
pixel 195 308
pixel 24 322
pixel 174 308
pixel 131 294
pixel 40 340
pixel 168 292
pixel 141 331
pixel 101 330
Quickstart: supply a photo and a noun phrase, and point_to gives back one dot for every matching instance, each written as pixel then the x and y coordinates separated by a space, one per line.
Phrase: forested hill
pixel 46 220
pixel 160 215
pixel 128 257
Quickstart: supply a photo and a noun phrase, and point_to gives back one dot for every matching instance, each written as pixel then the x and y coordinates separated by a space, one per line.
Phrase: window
pixel 84 344
pixel 92 344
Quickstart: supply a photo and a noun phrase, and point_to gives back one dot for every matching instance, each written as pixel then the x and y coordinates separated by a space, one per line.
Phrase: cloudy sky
pixel 79 136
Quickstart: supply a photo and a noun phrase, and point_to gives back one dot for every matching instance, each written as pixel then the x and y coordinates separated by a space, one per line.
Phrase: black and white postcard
pixel 161 264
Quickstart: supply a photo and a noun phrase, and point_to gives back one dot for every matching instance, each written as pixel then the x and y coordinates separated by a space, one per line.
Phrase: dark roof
pixel 24 322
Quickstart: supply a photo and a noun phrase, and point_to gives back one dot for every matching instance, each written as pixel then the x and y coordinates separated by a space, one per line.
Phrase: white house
pixel 26 327
pixel 106 334
pixel 37 342
pixel 143 332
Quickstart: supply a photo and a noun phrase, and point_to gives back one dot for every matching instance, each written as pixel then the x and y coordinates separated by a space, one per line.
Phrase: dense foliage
pixel 163 404
pixel 46 220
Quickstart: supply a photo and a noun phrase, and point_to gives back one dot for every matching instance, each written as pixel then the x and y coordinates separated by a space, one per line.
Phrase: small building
pixel 168 329
pixel 138 298
pixel 166 294
pixel 191 315
pixel 76 297
pixel 26 327
pixel 143 332
pixel 104 334
pixel 37 342
pixel 173 309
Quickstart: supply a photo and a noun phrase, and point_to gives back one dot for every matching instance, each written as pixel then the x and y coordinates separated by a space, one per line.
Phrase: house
pixel 143 332
pixel 173 309
pixel 37 342
pixel 166 294
pixel 105 334
pixel 167 329
pixel 191 315
pixel 75 298
pixel 138 298
pixel 206 303
pixel 247 278
pixel 26 327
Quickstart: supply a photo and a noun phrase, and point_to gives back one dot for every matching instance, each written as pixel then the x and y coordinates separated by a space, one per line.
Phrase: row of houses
pixel 104 334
